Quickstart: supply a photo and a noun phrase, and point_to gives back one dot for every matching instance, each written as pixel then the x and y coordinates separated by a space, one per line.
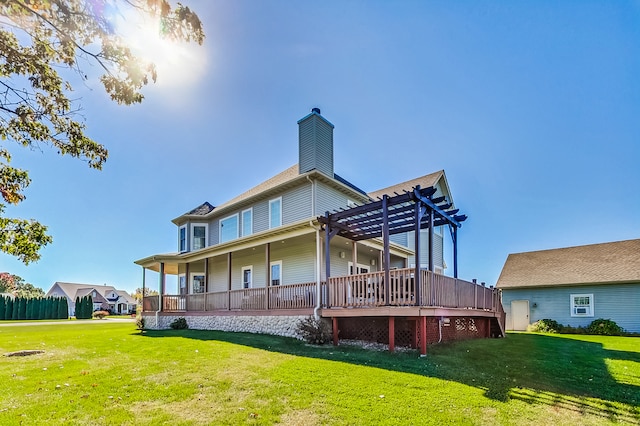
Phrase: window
pixel 247 272
pixel 582 305
pixel 229 228
pixel 360 269
pixel 276 272
pixel 182 284
pixel 247 222
pixel 275 212
pixel 198 236
pixel 182 239
pixel 197 282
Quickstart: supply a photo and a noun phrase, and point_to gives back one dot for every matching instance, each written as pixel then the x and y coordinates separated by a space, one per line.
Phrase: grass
pixel 109 373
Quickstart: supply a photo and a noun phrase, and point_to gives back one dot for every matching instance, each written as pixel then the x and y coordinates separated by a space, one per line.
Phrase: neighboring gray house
pixel 573 285
pixel 105 297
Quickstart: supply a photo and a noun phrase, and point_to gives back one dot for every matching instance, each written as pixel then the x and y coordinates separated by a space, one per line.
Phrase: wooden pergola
pixel 412 211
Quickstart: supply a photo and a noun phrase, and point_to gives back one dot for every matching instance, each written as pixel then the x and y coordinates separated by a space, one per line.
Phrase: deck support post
pixel 392 334
pixel 423 335
pixel 334 321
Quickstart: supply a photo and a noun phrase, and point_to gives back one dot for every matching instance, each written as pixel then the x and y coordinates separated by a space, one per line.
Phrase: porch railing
pixel 361 290
pixel 435 290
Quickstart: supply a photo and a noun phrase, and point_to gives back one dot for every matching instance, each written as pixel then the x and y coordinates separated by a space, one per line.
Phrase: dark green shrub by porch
pixel 179 324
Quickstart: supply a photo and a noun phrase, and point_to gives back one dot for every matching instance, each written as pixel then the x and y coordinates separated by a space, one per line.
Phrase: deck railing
pixel 353 291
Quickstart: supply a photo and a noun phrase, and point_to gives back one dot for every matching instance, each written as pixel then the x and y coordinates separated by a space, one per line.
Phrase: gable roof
pixel 606 263
pixel 73 290
pixel 424 182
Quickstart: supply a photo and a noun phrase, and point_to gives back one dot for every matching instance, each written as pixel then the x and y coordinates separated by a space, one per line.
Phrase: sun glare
pixel 179 64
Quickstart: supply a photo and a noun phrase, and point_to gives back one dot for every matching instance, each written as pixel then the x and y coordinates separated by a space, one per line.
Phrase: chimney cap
pixel 316 110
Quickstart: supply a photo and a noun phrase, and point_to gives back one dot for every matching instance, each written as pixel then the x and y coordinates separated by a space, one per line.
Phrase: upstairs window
pixel 229 228
pixel 182 239
pixel 275 212
pixel 198 236
pixel 247 222
pixel 582 305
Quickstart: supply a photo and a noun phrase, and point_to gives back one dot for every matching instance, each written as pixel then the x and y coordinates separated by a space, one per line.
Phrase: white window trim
pixel 276 262
pixel 250 209
pixel 206 234
pixel 220 228
pixel 572 305
pixel 246 268
pixel 186 239
pixel 279 199
pixel 359 266
pixel 192 275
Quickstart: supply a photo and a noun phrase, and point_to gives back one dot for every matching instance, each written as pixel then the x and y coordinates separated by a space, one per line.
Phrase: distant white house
pixel 105 297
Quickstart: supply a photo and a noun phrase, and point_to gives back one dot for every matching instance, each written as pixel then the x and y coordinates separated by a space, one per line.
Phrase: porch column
pixel 229 281
pixel 144 279
pixel 206 275
pixel 267 260
pixel 161 285
pixel 392 334
pixel 187 279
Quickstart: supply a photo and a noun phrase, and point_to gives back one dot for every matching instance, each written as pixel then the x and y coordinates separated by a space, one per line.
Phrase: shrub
pixel 179 324
pixel 100 314
pixel 140 324
pixel 605 327
pixel 545 326
pixel 314 331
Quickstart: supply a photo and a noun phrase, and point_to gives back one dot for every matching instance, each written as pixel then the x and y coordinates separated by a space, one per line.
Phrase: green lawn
pixel 109 374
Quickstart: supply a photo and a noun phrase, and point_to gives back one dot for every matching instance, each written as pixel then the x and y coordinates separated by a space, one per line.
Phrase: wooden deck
pixel 353 295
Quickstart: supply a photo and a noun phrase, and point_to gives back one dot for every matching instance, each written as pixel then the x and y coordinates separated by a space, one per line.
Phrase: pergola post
pixel 386 254
pixel 327 261
pixel 416 274
pixel 455 252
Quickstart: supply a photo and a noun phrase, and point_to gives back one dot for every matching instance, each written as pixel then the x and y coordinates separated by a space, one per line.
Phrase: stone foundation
pixel 277 325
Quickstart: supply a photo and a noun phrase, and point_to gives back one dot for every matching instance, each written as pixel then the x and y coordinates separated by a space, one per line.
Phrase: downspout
pixel 318 248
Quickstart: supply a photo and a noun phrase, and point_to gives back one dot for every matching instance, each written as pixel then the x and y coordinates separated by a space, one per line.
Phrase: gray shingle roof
pixel 604 263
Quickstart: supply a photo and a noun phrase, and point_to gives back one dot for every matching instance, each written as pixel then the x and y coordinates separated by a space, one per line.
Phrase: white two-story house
pixel 264 253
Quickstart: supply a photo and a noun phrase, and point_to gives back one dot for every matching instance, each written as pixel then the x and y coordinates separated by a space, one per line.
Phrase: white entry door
pixel 520 314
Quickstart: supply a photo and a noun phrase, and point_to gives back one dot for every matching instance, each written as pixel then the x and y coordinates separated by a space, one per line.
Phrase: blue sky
pixel 532 108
